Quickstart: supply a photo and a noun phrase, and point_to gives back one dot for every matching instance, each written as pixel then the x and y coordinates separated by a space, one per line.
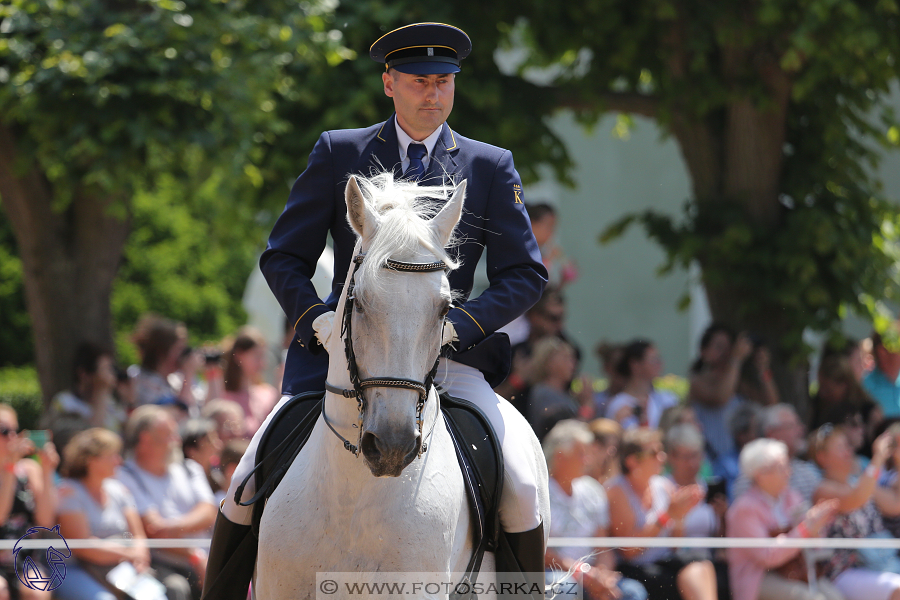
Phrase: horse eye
pixel 358 308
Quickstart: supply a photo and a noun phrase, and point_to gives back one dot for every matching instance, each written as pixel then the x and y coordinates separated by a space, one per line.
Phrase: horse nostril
pixel 369 446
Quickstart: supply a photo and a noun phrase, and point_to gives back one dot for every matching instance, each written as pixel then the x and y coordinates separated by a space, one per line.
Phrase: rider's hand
pixel 323 325
pixel 448 334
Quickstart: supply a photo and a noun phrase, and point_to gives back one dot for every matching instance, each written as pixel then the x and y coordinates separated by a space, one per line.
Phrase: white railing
pixel 604 542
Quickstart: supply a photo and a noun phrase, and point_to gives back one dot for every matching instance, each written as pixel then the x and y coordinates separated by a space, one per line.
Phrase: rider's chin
pixel 388 459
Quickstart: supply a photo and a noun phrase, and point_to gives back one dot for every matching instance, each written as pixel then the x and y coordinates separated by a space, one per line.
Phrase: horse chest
pixel 322 519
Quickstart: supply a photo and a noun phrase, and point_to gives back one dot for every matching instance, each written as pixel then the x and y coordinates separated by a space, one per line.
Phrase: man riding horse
pixel 421 62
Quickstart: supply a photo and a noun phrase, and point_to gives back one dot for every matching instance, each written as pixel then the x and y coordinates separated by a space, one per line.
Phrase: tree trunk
pixel 69 255
pixel 740 161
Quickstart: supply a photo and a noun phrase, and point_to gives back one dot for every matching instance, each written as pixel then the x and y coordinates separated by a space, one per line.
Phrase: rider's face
pixel 422 102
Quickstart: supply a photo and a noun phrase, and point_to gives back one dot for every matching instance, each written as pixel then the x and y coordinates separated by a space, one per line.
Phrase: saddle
pixel 474 440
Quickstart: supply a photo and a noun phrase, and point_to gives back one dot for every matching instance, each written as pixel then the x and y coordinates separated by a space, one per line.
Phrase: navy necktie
pixel 416 169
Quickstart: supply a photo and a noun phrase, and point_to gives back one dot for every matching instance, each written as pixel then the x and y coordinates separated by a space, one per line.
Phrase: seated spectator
pixel 888 495
pixel 245 364
pixel 684 448
pixel 609 355
pixel 161 343
pixel 545 319
pixel 883 381
pixel 780 422
pixel 27 498
pixel 644 504
pixel 713 389
pixel 229 418
pixel 93 505
pixel 90 400
pixel 857 516
pixel 579 509
pixel 756 383
pixel 678 414
pixel 124 392
pixel 173 498
pixel 561 270
pixel 640 404
pixel 770 508
pixel 192 390
pixel 552 369
pixel 201 446
pixel 850 420
pixel 840 390
pixel 604 464
pixel 228 462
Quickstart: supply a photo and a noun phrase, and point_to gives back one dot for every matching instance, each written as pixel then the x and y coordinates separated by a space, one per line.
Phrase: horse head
pixel 398 313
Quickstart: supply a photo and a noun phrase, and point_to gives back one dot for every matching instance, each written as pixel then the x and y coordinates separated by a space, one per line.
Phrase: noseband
pixel 359 385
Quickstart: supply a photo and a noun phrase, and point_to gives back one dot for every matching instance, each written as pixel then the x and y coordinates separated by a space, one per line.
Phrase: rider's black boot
pixel 525 552
pixel 232 558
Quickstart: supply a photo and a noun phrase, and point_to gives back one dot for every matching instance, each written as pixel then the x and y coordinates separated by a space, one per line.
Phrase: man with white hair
pixel 780 422
pixel 579 508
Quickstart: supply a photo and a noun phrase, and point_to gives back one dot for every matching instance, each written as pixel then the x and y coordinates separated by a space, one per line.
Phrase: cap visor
pixel 427 68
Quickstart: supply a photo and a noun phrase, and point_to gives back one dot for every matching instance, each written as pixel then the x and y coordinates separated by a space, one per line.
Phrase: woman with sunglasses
pixel 27 496
pixel 852 571
pixel 644 504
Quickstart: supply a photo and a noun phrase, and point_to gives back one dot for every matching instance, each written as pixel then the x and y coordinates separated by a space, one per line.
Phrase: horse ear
pixel 362 219
pixel 444 222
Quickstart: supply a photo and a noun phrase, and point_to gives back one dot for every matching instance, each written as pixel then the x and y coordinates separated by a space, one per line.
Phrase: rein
pixel 359 385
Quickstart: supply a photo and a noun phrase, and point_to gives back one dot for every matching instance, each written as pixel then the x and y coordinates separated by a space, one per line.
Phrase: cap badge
pixel 431 52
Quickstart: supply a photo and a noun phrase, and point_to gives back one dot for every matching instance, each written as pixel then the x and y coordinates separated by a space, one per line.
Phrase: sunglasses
pixel 824 432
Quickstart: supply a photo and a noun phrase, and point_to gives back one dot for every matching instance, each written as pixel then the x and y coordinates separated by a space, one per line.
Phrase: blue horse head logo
pixel 30 573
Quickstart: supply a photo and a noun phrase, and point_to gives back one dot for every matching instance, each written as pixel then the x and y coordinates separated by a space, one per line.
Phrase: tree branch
pixel 623 102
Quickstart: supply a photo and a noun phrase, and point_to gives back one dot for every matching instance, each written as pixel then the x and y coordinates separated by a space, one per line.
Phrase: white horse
pixel 401 508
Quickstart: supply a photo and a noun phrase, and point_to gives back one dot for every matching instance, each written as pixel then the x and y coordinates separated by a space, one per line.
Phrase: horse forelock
pixel 404 209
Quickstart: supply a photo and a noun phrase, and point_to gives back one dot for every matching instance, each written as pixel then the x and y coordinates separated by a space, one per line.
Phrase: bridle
pixel 359 385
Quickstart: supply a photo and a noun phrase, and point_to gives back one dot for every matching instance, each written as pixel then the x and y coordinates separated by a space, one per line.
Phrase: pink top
pixel 755 514
pixel 257 404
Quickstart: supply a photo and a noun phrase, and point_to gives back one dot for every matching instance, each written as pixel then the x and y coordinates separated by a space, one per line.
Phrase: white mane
pixel 404 209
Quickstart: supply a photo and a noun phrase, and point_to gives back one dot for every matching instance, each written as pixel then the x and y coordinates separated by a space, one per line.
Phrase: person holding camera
pixel 27 496
pixel 714 380
pixel 640 403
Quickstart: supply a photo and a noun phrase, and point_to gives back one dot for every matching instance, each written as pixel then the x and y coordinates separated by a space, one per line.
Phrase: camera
pixel 212 355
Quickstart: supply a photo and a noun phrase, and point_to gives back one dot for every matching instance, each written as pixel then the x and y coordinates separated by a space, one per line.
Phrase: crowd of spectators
pixel 148 452
pixel 731 458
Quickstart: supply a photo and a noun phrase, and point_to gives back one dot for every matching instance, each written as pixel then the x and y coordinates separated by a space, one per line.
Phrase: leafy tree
pixel 778 108
pixel 16 347
pixel 100 101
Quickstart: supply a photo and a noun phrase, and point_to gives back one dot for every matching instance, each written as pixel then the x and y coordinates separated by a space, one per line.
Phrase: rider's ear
pixel 362 219
pixel 444 222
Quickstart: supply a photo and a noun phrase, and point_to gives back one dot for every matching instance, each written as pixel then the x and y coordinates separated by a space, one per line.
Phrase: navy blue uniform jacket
pixel 494 219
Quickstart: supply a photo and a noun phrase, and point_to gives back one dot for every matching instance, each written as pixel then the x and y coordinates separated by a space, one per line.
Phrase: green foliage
pixel 20 389
pixel 188 258
pixel 16 345
pixel 816 75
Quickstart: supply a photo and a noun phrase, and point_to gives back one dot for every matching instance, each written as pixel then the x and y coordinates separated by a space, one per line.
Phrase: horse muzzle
pixel 387 455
